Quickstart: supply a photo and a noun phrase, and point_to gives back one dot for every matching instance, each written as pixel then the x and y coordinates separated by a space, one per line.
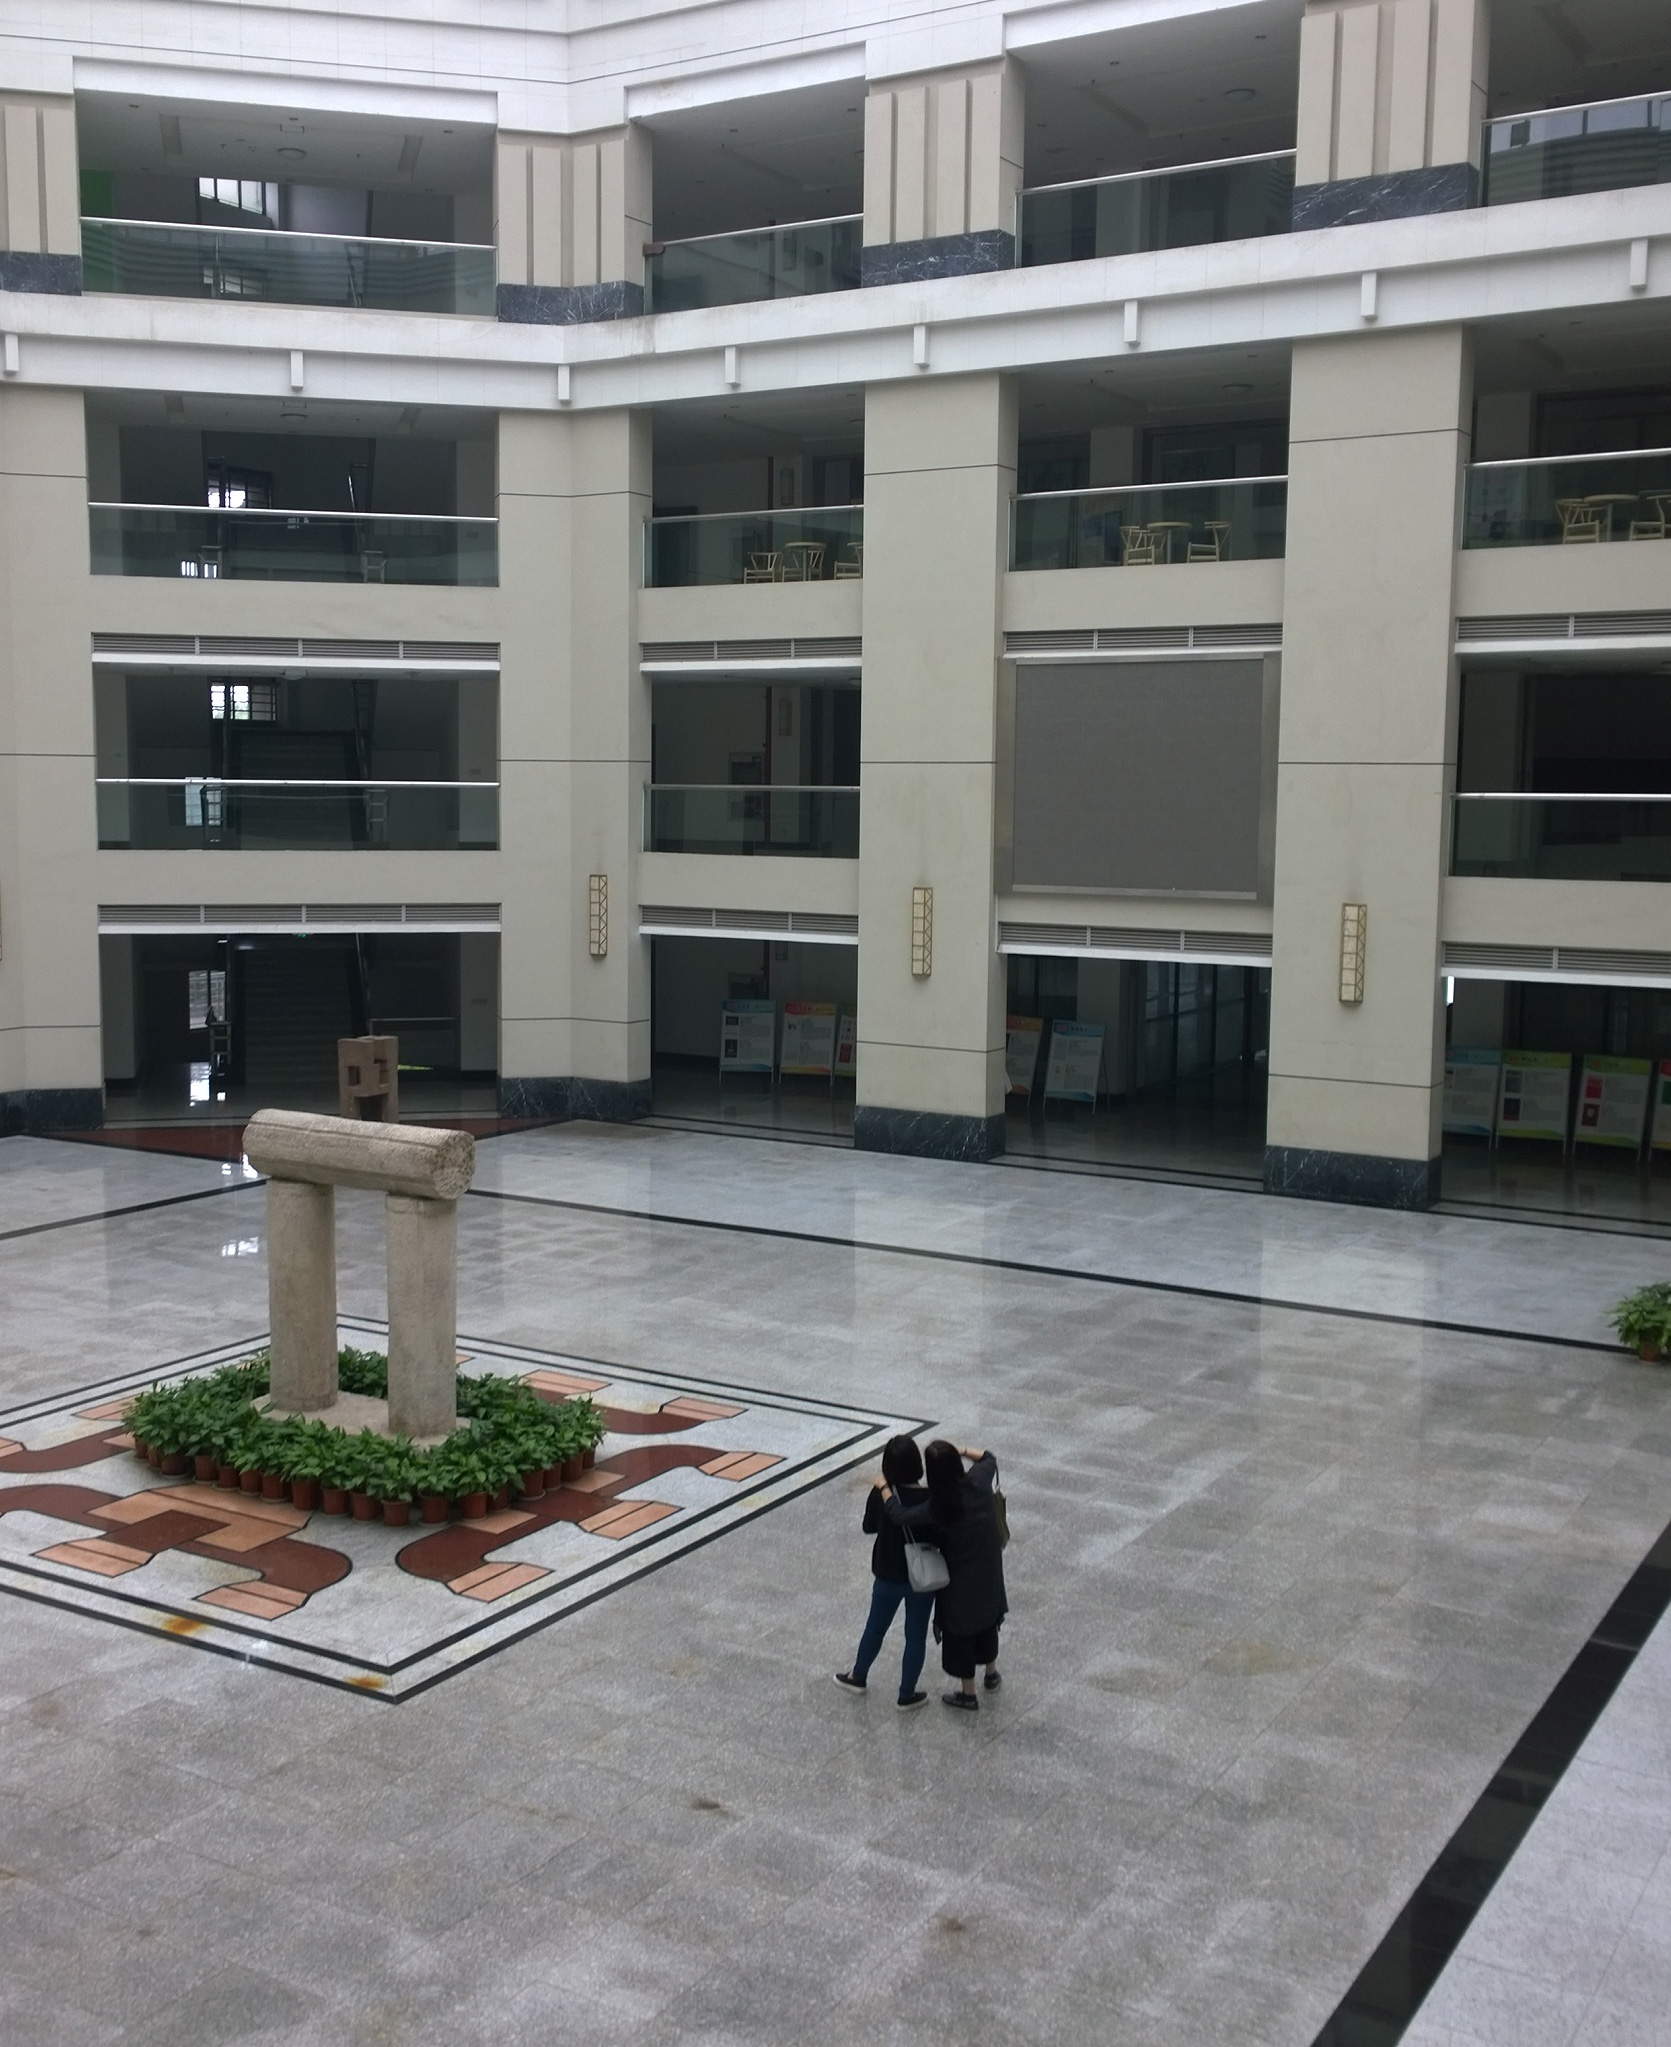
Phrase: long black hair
pixel 902 1462
pixel 945 1481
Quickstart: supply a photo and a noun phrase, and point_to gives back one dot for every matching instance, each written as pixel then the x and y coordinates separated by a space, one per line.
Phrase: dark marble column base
pixel 940 256
pixel 1394 195
pixel 20 270
pixel 915 1133
pixel 573 1098
pixel 1351 1176
pixel 570 305
pixel 38 1111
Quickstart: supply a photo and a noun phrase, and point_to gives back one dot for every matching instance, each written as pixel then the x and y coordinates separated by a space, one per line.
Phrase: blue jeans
pixel 885 1598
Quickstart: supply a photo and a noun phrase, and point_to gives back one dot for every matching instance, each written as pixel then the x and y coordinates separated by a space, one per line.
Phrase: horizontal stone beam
pixel 336 1151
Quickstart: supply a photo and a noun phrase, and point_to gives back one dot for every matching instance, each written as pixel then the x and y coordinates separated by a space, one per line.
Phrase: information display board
pixel 747 1037
pixel 1023 1035
pixel 1660 1140
pixel 1612 1101
pixel 1471 1091
pixel 847 1045
pixel 1075 1062
pixel 809 1032
pixel 1532 1101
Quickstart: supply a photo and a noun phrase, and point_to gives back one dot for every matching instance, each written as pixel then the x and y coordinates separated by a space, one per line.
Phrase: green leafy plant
pixel 1643 1319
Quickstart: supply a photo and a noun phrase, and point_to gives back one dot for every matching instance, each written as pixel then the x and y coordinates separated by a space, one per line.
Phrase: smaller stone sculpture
pixel 421 1173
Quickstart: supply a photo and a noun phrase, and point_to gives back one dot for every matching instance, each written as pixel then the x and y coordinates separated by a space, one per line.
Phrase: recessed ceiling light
pixel 1238 390
pixel 295 155
pixel 1240 92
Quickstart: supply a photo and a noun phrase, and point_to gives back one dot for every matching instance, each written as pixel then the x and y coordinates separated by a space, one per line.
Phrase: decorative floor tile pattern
pixel 392 1611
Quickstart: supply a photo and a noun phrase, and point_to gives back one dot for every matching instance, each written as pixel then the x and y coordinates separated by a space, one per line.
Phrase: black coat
pixel 887 1552
pixel 975 1598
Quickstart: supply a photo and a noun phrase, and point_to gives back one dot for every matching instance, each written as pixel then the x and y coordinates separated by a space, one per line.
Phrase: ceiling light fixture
pixel 1238 390
pixel 294 155
pixel 1240 92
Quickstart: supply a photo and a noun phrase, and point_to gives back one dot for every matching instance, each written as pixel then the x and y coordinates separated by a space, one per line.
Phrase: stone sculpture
pixel 421 1173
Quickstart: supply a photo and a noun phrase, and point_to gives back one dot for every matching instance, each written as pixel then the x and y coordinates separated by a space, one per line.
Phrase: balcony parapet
pixel 206 544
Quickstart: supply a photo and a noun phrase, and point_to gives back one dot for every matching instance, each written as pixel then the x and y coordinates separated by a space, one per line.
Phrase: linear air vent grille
pixel 1577 963
pixel 1138 942
pixel 163 918
pixel 1552 627
pixel 809 926
pixel 225 647
pixel 661 653
pixel 1148 639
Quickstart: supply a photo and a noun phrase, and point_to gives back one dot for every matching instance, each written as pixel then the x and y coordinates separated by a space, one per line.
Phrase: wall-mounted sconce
pixel 922 932
pixel 597 915
pixel 1354 927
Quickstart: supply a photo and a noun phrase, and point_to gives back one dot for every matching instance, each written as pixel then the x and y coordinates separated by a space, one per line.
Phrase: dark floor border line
pixel 71 1222
pixel 1069 1272
pixel 1389 1990
pixel 1554 1219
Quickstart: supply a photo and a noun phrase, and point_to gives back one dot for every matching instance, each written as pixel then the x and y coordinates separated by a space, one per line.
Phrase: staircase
pixel 296 1005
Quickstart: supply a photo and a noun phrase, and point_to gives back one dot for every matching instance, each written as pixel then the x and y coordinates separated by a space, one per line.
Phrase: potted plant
pixel 306 1461
pixel 1643 1320
pixel 363 1454
pixel 333 1478
pixel 393 1475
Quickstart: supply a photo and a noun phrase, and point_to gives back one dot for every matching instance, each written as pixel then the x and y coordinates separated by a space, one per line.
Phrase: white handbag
pixel 925 1566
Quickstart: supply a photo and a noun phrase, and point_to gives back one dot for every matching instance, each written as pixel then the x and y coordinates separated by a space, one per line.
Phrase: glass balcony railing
pixel 1596 148
pixel 160 259
pixel 687 817
pixel 820 544
pixel 1151 525
pixel 1585 499
pixel 769 263
pixel 1585 837
pixel 1232 201
pixel 292 547
pixel 148 813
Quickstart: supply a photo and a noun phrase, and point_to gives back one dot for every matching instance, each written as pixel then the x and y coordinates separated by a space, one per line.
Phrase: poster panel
pixel 1661 1138
pixel 1471 1091
pixel 1612 1101
pixel 847 1045
pixel 1023 1035
pixel 1075 1062
pixel 809 1030
pixel 747 1036
pixel 1532 1101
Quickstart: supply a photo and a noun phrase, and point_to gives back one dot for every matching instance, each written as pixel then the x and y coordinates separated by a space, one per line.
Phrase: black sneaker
pixel 911 1700
pixel 963 1702
pixel 848 1682
pixel 993 1679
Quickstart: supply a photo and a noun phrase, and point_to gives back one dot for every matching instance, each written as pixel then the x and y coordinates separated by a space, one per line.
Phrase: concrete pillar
pixel 575 746
pixel 571 217
pixel 942 173
pixel 423 1315
pixel 51 1068
pixel 940 469
pixel 1391 101
pixel 1366 762
pixel 302 1294
pixel 40 205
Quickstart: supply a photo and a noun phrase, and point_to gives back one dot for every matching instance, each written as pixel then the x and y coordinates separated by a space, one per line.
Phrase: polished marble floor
pixel 1312 1507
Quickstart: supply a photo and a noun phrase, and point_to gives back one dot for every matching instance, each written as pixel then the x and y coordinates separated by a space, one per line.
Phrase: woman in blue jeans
pixel 902 1472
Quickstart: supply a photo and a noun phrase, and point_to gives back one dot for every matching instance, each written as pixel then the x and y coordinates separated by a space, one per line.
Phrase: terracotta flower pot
pixel 205 1469
pixel 304 1493
pixel 364 1507
pixel 273 1487
pixel 553 1477
pixel 572 1468
pixel 142 1451
pixel 333 1500
pixel 226 1477
pixel 250 1481
pixel 533 1484
pixel 474 1506
pixel 501 1499
pixel 396 1513
pixel 172 1465
pixel 436 1506
pixel 153 1456
pixel 1649 1353
pixel 587 1459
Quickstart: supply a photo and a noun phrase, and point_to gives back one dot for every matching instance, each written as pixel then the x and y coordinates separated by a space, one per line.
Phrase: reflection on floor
pixel 1207 1130
pixel 1590 1183
pixel 689 1094
pixel 174 1102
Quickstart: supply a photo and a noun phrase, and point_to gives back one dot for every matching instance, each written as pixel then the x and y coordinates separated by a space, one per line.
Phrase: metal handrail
pixel 779 227
pixel 1109 490
pixel 1624 99
pixel 300 234
pixel 1559 796
pixel 1544 461
pixel 1165 170
pixel 270 782
pixel 766 512
pixel 762 788
pixel 295 512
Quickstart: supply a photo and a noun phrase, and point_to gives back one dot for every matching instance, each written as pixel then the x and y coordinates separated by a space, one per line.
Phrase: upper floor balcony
pixel 815 544
pixel 292 546
pixel 1599 147
pixel 765 263
pixel 1175 208
pixel 818 821
pixel 1586 500
pixel 1151 525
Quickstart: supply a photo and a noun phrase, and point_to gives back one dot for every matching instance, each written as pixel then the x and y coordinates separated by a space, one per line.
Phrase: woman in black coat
pixel 902 1477
pixel 961 1516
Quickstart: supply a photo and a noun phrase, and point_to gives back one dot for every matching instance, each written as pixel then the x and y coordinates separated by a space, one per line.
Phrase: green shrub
pixel 1643 1319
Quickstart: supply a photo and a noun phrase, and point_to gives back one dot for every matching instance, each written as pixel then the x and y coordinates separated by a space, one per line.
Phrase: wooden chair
pixel 764 568
pixel 1655 528
pixel 852 563
pixel 1216 547
pixel 1138 547
pixel 1579 521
